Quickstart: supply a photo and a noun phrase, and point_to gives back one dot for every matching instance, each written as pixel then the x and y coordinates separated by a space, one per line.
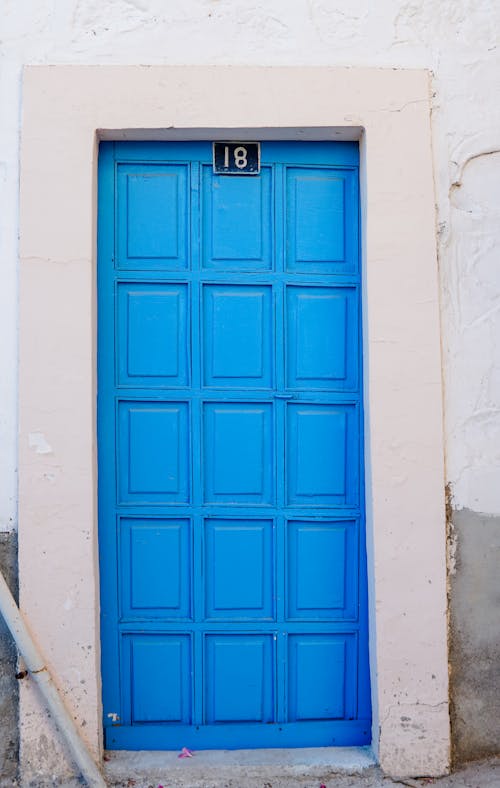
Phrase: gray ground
pixel 481 774
pixel 485 774
pixel 306 768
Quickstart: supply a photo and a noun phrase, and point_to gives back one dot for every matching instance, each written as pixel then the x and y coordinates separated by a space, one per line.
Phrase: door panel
pixel 164 546
pixel 228 243
pixel 236 317
pixel 321 221
pixel 239 678
pixel 238 457
pixel 320 581
pixel 153 446
pixel 152 217
pixel 231 520
pixel 238 569
pixel 169 656
pixel 153 334
pixel 322 454
pixel 322 337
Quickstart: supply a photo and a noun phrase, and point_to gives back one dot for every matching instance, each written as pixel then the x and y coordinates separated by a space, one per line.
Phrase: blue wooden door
pixel 232 547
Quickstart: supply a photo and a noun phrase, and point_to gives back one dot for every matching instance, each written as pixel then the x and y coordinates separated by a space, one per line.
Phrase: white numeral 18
pixel 240 157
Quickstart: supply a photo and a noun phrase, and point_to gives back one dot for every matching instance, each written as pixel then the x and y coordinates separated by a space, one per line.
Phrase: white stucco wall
pixel 457 39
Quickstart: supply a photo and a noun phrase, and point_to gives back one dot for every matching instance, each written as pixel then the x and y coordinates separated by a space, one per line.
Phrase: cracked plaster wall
pixel 458 40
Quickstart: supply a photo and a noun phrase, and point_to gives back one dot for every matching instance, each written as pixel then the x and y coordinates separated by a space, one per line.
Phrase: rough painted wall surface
pixel 475 640
pixel 459 41
pixel 9 736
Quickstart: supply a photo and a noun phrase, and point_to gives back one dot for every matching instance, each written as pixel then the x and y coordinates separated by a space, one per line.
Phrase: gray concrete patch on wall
pixel 9 694
pixel 475 636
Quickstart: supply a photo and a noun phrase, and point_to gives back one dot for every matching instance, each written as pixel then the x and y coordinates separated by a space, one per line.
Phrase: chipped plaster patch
pixel 38 442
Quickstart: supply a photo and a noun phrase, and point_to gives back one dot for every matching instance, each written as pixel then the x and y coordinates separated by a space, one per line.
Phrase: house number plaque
pixel 236 158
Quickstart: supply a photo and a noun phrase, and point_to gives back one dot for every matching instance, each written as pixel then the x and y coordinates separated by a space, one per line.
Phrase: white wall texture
pixel 459 40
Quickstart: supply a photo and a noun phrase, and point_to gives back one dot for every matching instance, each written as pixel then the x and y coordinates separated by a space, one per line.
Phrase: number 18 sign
pixel 236 158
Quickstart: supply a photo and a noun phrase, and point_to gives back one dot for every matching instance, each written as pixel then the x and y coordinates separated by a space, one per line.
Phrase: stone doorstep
pixel 234 767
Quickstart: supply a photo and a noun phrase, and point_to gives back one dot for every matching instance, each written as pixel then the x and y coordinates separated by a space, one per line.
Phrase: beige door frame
pixel 67 109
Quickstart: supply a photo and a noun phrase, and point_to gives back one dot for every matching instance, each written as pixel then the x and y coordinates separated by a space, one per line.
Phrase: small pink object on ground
pixel 185 753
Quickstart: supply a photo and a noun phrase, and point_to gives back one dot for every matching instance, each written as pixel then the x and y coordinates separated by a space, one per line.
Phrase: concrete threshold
pixel 240 768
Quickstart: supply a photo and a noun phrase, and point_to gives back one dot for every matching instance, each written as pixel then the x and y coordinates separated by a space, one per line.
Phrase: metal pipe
pixel 39 673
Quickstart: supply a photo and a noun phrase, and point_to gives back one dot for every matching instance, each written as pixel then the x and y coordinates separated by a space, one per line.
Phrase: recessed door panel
pixel 239 569
pixel 322 338
pixel 153 335
pixel 145 657
pixel 238 336
pixel 152 217
pixel 321 582
pixel 164 546
pixel 238 458
pixel 239 678
pixel 321 223
pixel 154 452
pixel 329 656
pixel 322 454
pixel 237 222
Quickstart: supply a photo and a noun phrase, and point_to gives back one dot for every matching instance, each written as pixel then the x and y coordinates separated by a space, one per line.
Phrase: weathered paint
pixel 475 636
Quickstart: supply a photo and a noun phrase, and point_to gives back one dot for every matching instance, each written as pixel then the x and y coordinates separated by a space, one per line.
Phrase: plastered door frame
pixel 67 109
